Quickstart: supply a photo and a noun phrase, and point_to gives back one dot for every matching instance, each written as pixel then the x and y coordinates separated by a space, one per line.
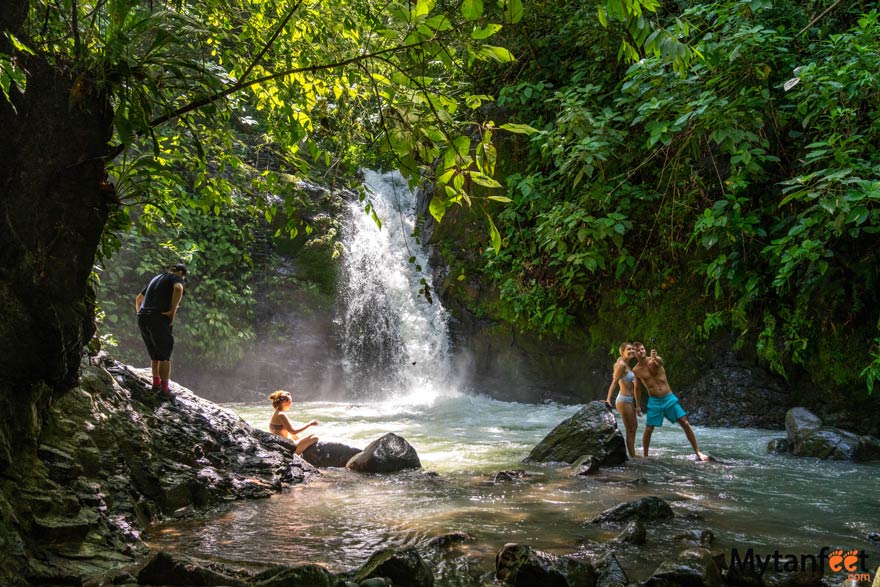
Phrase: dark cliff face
pixel 114 457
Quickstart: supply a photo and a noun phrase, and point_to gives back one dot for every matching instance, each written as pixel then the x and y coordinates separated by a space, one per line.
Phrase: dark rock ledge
pixel 114 457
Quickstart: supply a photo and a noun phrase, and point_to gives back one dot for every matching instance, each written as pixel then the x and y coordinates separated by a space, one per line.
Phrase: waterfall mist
pixel 394 342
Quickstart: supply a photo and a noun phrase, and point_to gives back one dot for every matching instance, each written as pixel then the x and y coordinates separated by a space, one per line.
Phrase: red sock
pixel 156 381
pixel 165 383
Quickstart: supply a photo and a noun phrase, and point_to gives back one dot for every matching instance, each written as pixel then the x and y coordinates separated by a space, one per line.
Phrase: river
pixel 752 499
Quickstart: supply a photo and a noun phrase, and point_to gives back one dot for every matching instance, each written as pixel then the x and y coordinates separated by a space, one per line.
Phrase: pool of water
pixel 748 499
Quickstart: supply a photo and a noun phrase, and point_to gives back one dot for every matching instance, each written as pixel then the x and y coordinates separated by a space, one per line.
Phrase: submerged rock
pixel 522 566
pixel 591 431
pixel 405 568
pixel 329 454
pixel 453 538
pixel 388 454
pixel 646 509
pixel 635 533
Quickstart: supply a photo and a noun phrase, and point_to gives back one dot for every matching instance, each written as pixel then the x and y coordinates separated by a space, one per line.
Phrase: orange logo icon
pixel 847 561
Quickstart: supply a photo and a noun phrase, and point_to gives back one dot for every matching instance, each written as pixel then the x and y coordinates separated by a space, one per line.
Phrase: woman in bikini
pixel 627 401
pixel 280 424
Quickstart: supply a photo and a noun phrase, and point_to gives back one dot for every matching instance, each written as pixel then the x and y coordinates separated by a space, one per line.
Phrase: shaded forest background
pixel 709 178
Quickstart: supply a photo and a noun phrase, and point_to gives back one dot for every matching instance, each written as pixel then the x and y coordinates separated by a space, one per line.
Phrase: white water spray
pixel 395 342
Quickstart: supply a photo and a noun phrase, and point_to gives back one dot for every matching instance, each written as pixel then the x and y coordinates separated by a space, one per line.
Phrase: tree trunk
pixel 54 204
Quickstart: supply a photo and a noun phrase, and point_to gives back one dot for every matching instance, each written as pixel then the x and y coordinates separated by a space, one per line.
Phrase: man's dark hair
pixel 637 343
pixel 179 267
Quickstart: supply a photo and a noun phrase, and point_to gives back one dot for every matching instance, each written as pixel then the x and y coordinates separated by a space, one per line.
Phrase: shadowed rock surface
pixel 522 566
pixel 646 509
pixel 388 454
pixel 405 568
pixel 694 567
pixel 591 431
pixel 329 454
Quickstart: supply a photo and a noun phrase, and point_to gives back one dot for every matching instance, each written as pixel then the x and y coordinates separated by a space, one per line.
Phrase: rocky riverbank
pixel 114 457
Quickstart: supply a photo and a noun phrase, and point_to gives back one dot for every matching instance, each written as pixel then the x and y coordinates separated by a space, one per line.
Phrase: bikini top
pixel 276 427
pixel 629 377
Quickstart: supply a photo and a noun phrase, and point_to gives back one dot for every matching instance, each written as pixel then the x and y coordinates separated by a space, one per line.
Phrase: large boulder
pixel 736 395
pixel 799 423
pixel 522 566
pixel 404 567
pixel 329 454
pixel 591 431
pixel 694 567
pixel 610 573
pixel 388 454
pixel 645 509
pixel 807 437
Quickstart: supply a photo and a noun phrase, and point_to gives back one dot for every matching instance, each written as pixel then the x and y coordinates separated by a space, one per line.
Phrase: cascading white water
pixel 395 342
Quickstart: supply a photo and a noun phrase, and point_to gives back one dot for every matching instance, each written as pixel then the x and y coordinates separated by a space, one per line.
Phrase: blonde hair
pixel 622 348
pixel 279 397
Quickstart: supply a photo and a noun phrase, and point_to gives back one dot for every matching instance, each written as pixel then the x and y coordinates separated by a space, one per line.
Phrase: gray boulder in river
pixel 388 454
pixel 807 437
pixel 592 431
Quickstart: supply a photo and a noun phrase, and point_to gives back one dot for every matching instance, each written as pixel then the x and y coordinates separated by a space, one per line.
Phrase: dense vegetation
pixel 733 188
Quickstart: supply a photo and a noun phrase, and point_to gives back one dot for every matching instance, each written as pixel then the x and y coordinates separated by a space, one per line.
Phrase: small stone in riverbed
pixel 645 509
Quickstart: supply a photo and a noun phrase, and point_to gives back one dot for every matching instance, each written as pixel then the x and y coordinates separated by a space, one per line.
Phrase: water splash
pixel 395 343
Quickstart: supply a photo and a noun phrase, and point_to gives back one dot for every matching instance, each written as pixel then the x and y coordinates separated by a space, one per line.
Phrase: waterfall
pixel 395 343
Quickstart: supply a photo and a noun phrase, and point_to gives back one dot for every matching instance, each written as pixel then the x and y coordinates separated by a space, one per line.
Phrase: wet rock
pixel 388 454
pixel 779 446
pixel 112 459
pixel 329 454
pixel 305 575
pixel 800 422
pixel 405 568
pixel 512 476
pixel 175 570
pixel 589 465
pixel 610 573
pixel 635 533
pixel 521 566
pixel 694 567
pixel 375 582
pixel 646 509
pixel 874 537
pixel 447 540
pixel 591 431
pixel 809 438
pixel 697 537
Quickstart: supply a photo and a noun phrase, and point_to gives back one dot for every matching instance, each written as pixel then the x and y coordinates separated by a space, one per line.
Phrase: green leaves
pixel 472 9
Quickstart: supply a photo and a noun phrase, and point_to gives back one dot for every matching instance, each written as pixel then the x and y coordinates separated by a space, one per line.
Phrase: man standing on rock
pixel 661 401
pixel 156 307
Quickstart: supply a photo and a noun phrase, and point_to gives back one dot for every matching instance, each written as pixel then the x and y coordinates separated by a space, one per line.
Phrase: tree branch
pixel 271 40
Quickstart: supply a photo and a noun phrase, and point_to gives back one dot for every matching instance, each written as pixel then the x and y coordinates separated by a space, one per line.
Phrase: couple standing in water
pixel 662 403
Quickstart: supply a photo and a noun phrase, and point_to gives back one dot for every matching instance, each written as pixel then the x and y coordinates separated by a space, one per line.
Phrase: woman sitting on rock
pixel 280 423
pixel 627 401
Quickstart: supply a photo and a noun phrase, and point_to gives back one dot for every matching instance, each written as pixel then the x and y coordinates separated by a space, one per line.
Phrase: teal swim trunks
pixel 668 406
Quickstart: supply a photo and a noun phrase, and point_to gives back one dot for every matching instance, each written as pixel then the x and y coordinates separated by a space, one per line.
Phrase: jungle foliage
pixel 744 167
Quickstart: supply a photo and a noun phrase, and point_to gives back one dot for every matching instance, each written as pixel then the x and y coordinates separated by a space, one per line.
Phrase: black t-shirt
pixel 157 294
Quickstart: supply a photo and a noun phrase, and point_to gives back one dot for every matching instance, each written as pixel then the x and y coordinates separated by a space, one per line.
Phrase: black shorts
pixel 156 332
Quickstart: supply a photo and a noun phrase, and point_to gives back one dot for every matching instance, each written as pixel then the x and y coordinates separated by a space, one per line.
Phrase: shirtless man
pixel 661 401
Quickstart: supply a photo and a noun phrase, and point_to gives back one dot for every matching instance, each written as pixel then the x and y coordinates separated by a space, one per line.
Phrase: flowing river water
pixel 396 353
pixel 752 499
